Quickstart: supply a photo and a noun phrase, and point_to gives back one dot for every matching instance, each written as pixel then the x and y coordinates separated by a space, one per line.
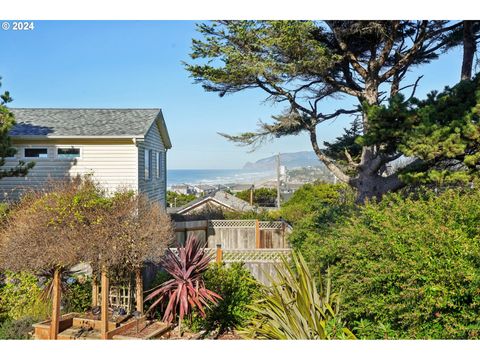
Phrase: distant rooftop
pixel 221 197
pixel 86 122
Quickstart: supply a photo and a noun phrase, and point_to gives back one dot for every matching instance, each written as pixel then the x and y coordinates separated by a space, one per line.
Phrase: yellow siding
pixel 112 163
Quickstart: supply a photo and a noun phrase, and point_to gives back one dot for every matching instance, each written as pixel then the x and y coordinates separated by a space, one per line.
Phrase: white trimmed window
pixel 159 164
pixel 148 164
pixel 68 153
pixel 37 153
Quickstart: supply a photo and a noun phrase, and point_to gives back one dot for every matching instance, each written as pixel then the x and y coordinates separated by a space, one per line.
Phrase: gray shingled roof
pixel 221 196
pixel 83 122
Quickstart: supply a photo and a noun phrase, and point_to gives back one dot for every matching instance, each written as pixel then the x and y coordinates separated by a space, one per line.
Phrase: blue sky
pixel 132 64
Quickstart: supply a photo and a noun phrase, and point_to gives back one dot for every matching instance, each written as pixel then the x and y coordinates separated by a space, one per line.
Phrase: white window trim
pixel 149 162
pixel 68 147
pixel 158 159
pixel 35 147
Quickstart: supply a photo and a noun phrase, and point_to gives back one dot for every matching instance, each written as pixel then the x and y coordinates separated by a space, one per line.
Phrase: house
pixel 183 189
pixel 212 206
pixel 120 148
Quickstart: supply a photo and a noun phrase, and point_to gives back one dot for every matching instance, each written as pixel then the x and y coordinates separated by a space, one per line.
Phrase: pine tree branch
pixel 339 174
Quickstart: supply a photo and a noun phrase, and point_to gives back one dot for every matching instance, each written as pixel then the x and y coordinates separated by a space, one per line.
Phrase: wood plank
pixel 94 291
pixel 257 234
pixel 55 322
pixel 105 291
pixel 139 290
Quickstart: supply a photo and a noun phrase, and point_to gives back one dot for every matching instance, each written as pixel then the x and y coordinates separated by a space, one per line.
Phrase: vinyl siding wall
pixel 154 187
pixel 113 163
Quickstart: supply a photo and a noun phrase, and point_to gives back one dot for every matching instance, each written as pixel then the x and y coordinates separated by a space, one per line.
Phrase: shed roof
pixel 86 123
pixel 220 197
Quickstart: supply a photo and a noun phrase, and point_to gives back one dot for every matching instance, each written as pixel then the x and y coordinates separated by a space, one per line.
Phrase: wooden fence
pixel 236 234
pixel 260 262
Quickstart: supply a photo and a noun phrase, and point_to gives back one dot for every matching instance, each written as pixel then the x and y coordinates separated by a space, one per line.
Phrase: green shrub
pixel 77 296
pixel 21 296
pixel 16 329
pixel 261 196
pixel 262 215
pixel 295 308
pixel 238 289
pixel 409 267
pixel 318 203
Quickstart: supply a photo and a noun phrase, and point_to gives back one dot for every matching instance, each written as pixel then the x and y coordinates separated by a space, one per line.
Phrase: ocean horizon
pixel 214 176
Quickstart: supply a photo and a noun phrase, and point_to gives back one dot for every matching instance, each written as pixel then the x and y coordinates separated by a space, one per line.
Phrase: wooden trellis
pixel 120 296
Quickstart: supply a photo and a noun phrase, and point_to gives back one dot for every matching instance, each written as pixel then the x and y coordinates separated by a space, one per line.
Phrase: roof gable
pixel 56 123
pixel 220 198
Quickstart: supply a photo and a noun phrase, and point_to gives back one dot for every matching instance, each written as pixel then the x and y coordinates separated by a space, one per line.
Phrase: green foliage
pixel 3 211
pixel 408 267
pixel 238 289
pixel 7 121
pixel 21 296
pixel 261 196
pixel 348 141
pixel 292 308
pixel 16 329
pixel 445 134
pixel 262 215
pixel 177 200
pixel 77 296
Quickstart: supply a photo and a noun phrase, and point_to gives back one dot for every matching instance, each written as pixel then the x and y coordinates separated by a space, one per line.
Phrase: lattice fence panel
pixel 231 223
pixel 270 225
pixel 262 255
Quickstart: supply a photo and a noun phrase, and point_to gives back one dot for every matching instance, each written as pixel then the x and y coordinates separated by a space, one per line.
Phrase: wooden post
pixel 55 323
pixel 251 195
pixel 94 291
pixel 105 293
pixel 139 289
pixel 257 234
pixel 219 253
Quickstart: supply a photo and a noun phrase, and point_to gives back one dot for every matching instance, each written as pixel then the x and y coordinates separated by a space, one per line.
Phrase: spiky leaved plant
pixel 292 308
pixel 186 290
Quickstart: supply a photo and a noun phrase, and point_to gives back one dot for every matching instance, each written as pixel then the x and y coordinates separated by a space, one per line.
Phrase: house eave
pixel 52 137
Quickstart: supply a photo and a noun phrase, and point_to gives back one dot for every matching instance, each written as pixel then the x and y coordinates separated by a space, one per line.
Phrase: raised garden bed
pixel 74 326
pixel 141 329
pixel 42 329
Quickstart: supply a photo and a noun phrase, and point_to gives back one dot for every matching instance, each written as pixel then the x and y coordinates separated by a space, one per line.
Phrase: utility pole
pixel 278 180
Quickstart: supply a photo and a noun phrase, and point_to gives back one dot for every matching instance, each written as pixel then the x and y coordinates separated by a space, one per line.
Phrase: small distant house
pixel 183 189
pixel 120 148
pixel 213 205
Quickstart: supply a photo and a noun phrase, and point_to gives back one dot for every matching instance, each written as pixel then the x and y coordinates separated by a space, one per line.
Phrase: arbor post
pixel 55 322
pixel 94 291
pixel 105 292
pixel 139 290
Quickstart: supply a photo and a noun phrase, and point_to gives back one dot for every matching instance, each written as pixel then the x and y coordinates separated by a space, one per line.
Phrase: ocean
pixel 214 176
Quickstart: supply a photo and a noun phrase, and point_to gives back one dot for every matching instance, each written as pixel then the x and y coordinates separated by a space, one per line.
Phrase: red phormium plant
pixel 187 289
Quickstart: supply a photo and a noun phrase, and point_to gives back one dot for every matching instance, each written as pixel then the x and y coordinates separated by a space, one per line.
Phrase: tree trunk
pixel 469 48
pixel 374 186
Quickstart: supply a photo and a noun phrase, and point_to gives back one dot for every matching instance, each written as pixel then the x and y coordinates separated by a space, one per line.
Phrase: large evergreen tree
pixel 301 63
pixel 7 120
